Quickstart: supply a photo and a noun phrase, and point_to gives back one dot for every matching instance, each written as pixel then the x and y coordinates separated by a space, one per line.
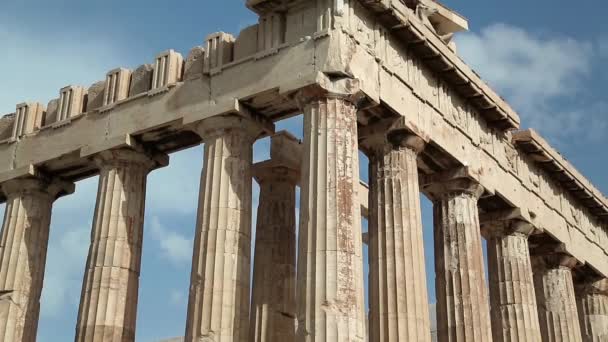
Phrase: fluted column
pixel 399 309
pixel 513 306
pixel 273 312
pixel 218 306
pixel 592 299
pixel 557 310
pixel 330 298
pixel 23 249
pixel 463 311
pixel 108 304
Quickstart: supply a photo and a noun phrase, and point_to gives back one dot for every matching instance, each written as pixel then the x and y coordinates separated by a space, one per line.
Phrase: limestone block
pixel 246 43
pixel 141 80
pixel 168 69
pixel 271 31
pixel 220 48
pixel 95 95
pixel 193 68
pixel 116 86
pixel 28 118
pixel 51 112
pixel 71 102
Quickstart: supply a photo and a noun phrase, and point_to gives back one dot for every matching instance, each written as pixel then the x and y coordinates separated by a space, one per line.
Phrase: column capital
pixel 392 133
pixel 215 126
pixel 506 222
pixel 271 170
pixel 42 185
pixel 553 259
pixel 347 89
pixel 454 182
pixel 593 286
pixel 113 158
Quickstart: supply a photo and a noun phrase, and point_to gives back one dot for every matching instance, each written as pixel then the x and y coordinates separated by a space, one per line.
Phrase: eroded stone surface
pixel 463 310
pixel 398 294
pixel 557 311
pixel 330 296
pixel 273 310
pixel 218 307
pixel 108 306
pixel 592 300
pixel 513 306
pixel 23 249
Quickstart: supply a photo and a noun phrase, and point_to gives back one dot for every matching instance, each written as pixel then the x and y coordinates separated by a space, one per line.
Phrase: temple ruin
pixel 378 76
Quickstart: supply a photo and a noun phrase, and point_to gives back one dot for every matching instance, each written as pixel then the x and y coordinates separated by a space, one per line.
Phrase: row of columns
pixel 531 297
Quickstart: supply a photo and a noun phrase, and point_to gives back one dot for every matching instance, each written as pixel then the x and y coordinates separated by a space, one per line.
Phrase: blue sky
pixel 546 59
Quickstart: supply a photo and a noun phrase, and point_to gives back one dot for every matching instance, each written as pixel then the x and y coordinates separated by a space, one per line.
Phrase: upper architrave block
pixel 71 102
pixel 561 170
pixel 219 51
pixel 116 86
pixel 168 69
pixel 28 118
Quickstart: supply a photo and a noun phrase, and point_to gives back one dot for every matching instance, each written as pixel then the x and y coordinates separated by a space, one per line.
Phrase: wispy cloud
pixel 546 78
pixel 175 247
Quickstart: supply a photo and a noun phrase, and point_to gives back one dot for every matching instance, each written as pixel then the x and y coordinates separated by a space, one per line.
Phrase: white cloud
pixel 177 298
pixel 175 247
pixel 63 279
pixel 545 78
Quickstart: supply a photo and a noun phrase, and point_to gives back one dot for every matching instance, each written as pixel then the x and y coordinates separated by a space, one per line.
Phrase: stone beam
pixel 160 117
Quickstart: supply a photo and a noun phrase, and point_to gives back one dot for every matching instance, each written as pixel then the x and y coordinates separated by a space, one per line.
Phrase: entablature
pixel 561 171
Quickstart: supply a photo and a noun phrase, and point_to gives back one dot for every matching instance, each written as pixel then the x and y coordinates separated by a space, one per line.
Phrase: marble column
pixel 23 249
pixel 218 306
pixel 557 310
pixel 399 309
pixel 273 309
pixel 108 304
pixel 463 310
pixel 330 296
pixel 592 299
pixel 513 308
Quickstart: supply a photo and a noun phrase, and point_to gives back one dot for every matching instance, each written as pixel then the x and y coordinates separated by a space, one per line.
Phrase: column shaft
pixel 330 266
pixel 23 250
pixel 463 311
pixel 108 305
pixel 592 298
pixel 512 299
pixel 218 307
pixel 274 277
pixel 399 308
pixel 557 310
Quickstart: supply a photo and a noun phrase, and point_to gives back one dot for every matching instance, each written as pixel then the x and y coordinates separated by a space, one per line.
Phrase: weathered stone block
pixel 194 63
pixel 71 102
pixel 95 95
pixel 167 69
pixel 220 48
pixel 141 80
pixel 116 86
pixel 28 118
